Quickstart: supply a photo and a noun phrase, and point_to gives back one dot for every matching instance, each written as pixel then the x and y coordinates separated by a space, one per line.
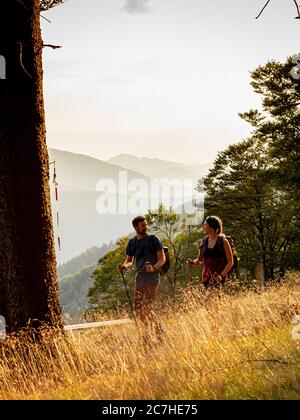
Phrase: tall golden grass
pixel 216 346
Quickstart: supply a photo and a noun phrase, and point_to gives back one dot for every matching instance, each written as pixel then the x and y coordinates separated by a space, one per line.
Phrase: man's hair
pixel 137 220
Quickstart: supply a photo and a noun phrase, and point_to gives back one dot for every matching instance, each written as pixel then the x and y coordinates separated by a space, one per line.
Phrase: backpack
pixel 166 266
pixel 234 268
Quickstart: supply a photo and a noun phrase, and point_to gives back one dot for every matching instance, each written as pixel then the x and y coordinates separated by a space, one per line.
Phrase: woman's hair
pixel 216 223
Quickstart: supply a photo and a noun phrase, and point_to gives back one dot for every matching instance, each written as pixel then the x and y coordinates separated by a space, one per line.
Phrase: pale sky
pixel 167 82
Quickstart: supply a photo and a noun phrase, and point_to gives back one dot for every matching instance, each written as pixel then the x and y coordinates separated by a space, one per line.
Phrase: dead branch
pixel 54 47
pixel 45 18
pixel 298 9
pixel 262 10
pixel 295 2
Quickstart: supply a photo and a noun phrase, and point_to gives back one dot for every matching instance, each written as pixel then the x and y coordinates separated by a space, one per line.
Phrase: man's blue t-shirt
pixel 144 250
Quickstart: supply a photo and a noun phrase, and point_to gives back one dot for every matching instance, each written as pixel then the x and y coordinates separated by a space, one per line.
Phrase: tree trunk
pixel 28 278
pixel 261 241
pixel 262 262
pixel 282 267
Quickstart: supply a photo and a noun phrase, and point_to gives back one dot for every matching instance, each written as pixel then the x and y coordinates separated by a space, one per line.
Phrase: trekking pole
pixel 128 296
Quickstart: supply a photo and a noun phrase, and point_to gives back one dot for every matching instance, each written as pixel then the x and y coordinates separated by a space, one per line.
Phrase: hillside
pixel 75 280
pixel 89 257
pixel 215 347
pixel 82 226
pixel 77 172
pixel 73 292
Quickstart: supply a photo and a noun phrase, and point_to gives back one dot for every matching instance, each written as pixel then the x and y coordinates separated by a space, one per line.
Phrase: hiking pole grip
pixel 147 263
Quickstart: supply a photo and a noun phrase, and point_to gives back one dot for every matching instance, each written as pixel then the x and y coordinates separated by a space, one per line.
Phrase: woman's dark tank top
pixel 215 252
pixel 214 258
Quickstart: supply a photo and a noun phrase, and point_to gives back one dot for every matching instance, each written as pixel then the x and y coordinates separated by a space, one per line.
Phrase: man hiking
pixel 215 252
pixel 148 254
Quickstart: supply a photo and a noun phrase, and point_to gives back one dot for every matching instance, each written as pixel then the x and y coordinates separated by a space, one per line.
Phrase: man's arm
pixel 161 259
pixel 126 264
pixel 160 254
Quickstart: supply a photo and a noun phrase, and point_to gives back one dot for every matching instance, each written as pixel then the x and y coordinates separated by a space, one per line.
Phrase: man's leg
pixel 139 308
pixel 139 291
pixel 144 299
pixel 150 296
pixel 150 299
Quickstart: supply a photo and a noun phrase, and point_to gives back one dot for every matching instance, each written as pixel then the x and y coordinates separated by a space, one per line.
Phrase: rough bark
pixel 28 279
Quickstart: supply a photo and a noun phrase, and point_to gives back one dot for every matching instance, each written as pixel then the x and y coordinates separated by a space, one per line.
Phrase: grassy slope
pixel 223 348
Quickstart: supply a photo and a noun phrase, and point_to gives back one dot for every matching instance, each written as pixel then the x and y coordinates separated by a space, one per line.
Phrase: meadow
pixel 215 346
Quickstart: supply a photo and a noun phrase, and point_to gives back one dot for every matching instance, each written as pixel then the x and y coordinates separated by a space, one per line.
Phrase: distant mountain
pixel 159 168
pixel 81 224
pixel 76 172
pixel 73 291
pixel 89 218
pixel 87 258
pixel 172 174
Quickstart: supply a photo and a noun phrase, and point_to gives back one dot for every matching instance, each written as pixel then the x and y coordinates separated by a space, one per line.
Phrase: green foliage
pixel 108 290
pixel 181 239
pixel 279 122
pixel 254 185
pixel 73 291
pixel 76 279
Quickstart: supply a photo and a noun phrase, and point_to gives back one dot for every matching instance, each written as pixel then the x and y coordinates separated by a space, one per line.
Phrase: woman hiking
pixel 215 252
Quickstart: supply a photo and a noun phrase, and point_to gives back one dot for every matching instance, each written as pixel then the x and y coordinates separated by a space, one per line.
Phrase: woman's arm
pixel 229 258
pixel 197 261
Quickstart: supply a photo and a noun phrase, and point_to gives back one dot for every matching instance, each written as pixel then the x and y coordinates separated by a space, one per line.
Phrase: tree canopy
pixel 254 185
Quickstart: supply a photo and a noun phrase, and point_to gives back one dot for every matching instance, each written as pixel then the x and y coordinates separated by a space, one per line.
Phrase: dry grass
pixel 227 347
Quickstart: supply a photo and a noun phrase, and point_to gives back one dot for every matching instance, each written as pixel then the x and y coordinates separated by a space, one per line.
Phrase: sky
pixel 158 78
